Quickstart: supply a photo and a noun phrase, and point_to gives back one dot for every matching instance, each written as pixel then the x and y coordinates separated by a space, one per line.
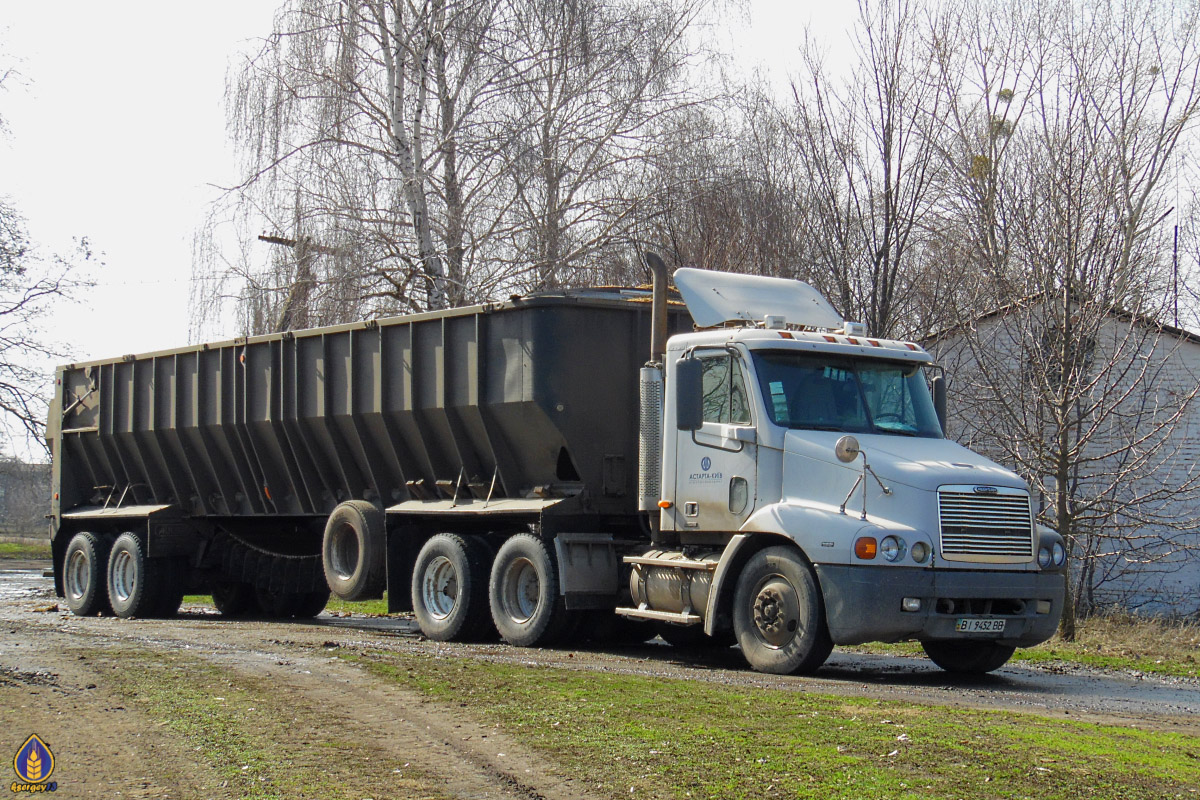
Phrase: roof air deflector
pixel 715 298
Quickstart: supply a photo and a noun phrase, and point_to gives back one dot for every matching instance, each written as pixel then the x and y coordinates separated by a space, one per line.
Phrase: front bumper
pixel 863 603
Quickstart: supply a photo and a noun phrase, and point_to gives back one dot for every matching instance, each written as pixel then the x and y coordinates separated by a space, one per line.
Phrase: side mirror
pixel 689 413
pixel 939 401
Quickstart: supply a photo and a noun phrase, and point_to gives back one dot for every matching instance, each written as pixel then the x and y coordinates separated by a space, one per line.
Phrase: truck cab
pixel 809 496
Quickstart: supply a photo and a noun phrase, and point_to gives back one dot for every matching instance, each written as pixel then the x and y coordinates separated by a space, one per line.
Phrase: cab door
pixel 716 473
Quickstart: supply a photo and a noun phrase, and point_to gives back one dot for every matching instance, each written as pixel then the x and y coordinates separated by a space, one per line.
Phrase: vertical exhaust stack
pixel 650 383
pixel 658 308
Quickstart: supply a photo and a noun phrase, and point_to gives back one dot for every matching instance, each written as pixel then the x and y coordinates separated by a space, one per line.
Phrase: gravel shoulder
pixel 66 678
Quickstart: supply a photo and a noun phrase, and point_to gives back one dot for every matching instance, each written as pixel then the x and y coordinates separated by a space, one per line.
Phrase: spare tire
pixel 233 599
pixel 353 551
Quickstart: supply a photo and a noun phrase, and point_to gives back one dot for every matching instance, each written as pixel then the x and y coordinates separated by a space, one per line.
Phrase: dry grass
pixel 1127 636
pixel 1113 641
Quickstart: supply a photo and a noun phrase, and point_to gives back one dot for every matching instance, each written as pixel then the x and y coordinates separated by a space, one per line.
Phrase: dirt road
pixel 92 689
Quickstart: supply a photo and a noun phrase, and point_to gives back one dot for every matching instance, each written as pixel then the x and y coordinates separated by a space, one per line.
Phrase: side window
pixel 724 388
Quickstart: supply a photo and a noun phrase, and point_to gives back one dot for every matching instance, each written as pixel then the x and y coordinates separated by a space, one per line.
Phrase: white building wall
pixel 1156 568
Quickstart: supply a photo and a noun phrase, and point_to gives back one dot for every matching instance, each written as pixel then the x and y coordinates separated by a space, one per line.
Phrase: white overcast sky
pixel 116 133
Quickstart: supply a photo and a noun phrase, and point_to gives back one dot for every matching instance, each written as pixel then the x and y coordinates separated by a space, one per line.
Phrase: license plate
pixel 980 625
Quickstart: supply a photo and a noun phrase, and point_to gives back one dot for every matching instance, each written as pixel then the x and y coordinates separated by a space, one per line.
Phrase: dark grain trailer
pixel 268 470
pixel 774 476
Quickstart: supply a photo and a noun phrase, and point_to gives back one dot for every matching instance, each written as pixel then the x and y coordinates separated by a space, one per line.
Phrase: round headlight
pixel 892 548
pixel 1059 554
pixel 1044 557
pixel 920 552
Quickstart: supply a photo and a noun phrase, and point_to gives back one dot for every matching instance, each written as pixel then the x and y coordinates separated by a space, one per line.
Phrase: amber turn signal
pixel 664 503
pixel 866 547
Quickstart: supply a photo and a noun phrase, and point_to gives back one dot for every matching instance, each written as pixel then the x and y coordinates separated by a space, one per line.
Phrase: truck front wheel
pixel 352 551
pixel 968 657
pixel 523 593
pixel 83 575
pixel 778 615
pixel 450 588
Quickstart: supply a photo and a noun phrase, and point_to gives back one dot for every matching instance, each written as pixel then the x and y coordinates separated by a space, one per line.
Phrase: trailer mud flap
pixel 588 569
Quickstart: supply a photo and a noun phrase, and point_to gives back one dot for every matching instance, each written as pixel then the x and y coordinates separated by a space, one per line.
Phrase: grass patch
pixel 372 608
pixel 24 550
pixel 662 738
pixel 250 736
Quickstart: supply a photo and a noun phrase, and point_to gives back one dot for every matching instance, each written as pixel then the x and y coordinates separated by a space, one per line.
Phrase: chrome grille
pixel 992 524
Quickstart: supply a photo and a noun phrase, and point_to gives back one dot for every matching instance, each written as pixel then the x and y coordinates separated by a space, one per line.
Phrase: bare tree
pixel 871 146
pixel 30 282
pixel 364 136
pixel 1064 174
pixel 592 112
pixel 29 285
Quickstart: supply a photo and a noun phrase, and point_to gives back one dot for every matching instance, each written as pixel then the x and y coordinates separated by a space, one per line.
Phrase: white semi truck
pixel 773 476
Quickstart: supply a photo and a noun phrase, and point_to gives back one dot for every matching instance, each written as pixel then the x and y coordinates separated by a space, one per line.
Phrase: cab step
pixel 661 616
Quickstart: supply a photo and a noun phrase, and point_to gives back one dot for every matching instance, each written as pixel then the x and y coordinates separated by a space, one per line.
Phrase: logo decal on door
pixel 704 475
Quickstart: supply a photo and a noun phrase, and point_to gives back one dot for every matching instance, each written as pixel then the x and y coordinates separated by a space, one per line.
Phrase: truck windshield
pixel 818 391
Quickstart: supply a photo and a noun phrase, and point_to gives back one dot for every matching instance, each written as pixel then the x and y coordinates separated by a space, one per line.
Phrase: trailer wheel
pixel 450 588
pixel 134 584
pixel 83 575
pixel 968 657
pixel 233 599
pixel 523 593
pixel 352 551
pixel 289 605
pixel 778 614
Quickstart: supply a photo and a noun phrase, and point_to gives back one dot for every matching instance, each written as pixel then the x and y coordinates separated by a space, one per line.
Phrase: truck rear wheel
pixel 968 657
pixel 523 593
pixel 84 575
pixel 134 583
pixel 352 551
pixel 450 588
pixel 778 614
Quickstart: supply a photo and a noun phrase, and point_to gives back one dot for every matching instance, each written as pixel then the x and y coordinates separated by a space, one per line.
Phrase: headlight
pixel 1059 554
pixel 920 552
pixel 892 548
pixel 1044 557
